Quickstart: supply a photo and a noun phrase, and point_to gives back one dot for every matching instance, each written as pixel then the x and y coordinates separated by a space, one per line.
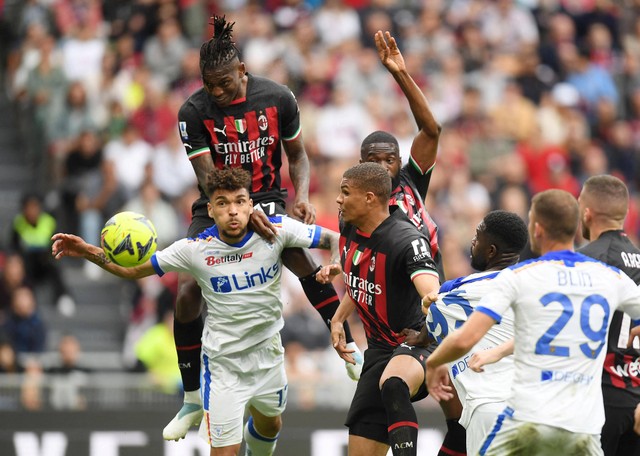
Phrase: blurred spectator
pixel 172 170
pixel 341 126
pixel 154 118
pixel 12 277
pixel 337 24
pixel 82 53
pixel 163 52
pixel 161 213
pixel 31 235
pixel 592 82
pixel 89 190
pixel 156 350
pixel 24 327
pixel 9 363
pixel 31 396
pixel 67 377
pixel 68 117
pixel 130 157
pixel 74 15
pixel 562 31
pixel 508 27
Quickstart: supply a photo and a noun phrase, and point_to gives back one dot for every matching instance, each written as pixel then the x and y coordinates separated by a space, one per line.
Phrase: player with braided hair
pixel 241 120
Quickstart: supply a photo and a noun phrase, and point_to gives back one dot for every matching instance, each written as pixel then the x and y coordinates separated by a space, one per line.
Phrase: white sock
pixel 258 445
pixel 193 397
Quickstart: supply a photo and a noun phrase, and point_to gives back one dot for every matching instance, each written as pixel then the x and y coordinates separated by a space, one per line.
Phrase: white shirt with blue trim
pixel 240 282
pixel 563 303
pixel 456 301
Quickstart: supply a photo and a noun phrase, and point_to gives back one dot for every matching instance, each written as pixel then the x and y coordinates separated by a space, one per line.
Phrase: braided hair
pixel 220 49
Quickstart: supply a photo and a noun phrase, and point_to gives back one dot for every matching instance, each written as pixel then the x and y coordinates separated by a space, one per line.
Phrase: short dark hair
pixel 607 196
pixel 558 213
pixel 371 177
pixel 375 138
pixel 506 230
pixel 230 179
pixel 220 49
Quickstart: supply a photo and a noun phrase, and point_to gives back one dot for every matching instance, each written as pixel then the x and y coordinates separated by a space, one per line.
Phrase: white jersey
pixel 563 303
pixel 456 301
pixel 240 282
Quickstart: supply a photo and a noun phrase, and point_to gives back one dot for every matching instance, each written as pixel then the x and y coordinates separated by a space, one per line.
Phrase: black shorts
pixel 367 417
pixel 200 222
pixel 618 438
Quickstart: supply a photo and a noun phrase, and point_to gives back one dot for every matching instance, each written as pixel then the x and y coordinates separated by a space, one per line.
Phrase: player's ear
pixel 241 69
pixel 587 216
pixel 210 209
pixel 251 206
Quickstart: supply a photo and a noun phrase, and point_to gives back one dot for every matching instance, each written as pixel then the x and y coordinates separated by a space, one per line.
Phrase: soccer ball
pixel 129 239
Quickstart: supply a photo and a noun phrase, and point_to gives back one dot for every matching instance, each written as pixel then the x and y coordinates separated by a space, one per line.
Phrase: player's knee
pixel 188 301
pixel 299 262
pixel 394 391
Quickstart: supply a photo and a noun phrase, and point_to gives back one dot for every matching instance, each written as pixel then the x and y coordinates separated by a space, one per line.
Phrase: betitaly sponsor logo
pixel 234 258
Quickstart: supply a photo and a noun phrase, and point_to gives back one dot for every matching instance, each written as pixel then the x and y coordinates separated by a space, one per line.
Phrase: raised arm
pixel 425 144
pixel 202 166
pixel 299 173
pixel 330 240
pixel 338 339
pixel 74 246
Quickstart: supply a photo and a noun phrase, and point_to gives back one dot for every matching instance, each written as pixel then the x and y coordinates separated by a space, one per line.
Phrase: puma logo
pixel 223 131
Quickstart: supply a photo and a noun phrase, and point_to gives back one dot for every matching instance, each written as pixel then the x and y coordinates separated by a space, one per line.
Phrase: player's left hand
pixel 415 338
pixel 427 300
pixel 388 52
pixel 304 211
pixel 259 222
pixel 438 383
pixel 327 273
pixel 635 332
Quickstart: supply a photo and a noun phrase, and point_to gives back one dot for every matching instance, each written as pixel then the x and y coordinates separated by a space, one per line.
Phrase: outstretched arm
pixel 299 173
pixel 74 246
pixel 490 356
pixel 425 144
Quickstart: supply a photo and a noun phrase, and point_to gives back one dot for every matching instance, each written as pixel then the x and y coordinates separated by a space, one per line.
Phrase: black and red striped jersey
pixel 378 271
pixel 248 134
pixel 409 195
pixel 621 375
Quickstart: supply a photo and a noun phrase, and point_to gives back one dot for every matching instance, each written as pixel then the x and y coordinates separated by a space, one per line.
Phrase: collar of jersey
pixel 213 231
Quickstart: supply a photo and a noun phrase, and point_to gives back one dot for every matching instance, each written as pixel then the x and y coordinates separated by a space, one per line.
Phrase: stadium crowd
pixel 531 94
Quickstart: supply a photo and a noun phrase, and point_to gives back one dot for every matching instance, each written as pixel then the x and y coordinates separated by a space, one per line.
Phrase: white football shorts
pixel 512 437
pixel 255 377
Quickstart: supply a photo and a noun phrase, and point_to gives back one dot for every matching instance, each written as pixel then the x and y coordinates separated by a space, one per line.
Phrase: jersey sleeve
pixel 290 116
pixel 421 180
pixel 629 297
pixel 503 293
pixel 417 257
pixel 192 132
pixel 296 234
pixel 176 257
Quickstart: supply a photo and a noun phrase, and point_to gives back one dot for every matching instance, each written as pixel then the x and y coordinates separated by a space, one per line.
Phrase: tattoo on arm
pixel 100 259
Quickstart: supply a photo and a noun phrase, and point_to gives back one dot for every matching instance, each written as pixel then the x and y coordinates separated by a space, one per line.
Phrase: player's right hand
pixel 427 300
pixel 327 273
pixel 259 222
pixel 304 211
pixel 67 245
pixel 438 383
pixel 339 342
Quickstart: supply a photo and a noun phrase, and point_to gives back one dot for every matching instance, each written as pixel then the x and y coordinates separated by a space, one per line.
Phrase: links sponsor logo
pixel 576 378
pixel 235 258
pixel 245 280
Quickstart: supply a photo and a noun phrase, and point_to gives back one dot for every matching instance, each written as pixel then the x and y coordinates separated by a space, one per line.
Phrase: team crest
pixel 372 266
pixel 217 431
pixel 357 257
pixel 241 125
pixel 263 124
